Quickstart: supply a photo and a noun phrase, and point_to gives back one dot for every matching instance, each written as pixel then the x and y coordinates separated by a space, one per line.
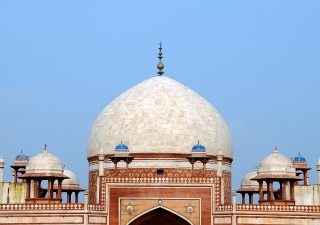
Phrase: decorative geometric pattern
pixel 129 208
pixel 227 187
pixel 198 175
pixel 93 186
pixel 190 209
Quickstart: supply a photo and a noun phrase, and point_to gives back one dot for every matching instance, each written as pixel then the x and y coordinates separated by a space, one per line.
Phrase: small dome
pixel 21 157
pixel 198 148
pixel 276 164
pixel 44 163
pixel 299 159
pixel 248 183
pixel 73 180
pixel 121 149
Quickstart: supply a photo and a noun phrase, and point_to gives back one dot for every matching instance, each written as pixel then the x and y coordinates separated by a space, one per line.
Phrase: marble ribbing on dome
pixel 160 115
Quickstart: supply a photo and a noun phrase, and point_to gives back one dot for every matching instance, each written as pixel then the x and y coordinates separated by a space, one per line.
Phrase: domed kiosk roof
pixel 20 160
pixel 44 165
pixel 250 185
pixel 69 184
pixel 160 115
pixel 300 162
pixel 276 162
pixel 276 165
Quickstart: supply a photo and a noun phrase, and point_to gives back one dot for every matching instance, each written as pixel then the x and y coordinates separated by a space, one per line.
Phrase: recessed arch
pixel 159 215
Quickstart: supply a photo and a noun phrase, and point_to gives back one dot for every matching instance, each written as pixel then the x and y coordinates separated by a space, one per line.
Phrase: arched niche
pixel 159 216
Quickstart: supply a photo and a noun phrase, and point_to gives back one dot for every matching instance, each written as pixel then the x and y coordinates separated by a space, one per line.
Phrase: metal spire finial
pixel 160 65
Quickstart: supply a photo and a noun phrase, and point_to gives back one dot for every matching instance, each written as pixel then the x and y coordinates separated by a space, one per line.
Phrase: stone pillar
pixel 243 198
pixel 28 188
pixel 2 162
pixel 86 199
pixel 69 196
pixel 318 169
pixel 101 162
pixel 234 197
pixel 291 190
pixel 59 188
pixel 219 164
pixel 76 193
pixel 250 198
pixel 260 190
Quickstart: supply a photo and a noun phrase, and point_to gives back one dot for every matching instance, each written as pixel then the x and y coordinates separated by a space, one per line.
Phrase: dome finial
pixel 160 65
pixel 45 148
pixel 275 149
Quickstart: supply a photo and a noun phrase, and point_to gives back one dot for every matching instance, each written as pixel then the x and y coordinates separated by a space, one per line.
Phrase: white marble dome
pixel 44 163
pixel 160 115
pixel 73 180
pixel 276 163
pixel 247 182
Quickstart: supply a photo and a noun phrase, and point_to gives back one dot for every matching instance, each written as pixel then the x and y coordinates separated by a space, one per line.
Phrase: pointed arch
pixel 159 212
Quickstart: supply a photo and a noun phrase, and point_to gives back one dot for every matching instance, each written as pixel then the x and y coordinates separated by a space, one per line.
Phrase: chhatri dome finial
pixel 160 65
pixel 45 148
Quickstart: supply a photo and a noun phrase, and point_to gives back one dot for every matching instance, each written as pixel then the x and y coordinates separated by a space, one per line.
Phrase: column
pixel 219 164
pixel 291 190
pixel 250 198
pixel 284 190
pixel 268 190
pixel 35 189
pixel 15 175
pixel 204 162
pixel 49 188
pixel 271 190
pixel 2 162
pixel 76 196
pixel 28 188
pixel 101 156
pixel 243 198
pixel 192 161
pixel 68 197
pixel 318 169
pixel 260 190
pixel 39 188
pixel 59 188
pixel 305 177
pixel 281 190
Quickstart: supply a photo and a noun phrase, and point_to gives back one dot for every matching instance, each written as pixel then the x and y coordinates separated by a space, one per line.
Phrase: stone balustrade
pixel 17 207
pixel 158 180
pixel 278 208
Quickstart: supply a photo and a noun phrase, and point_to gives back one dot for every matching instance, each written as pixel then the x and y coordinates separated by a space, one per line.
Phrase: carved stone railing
pixel 278 208
pixel 96 207
pixel 228 207
pixel 158 179
pixel 21 207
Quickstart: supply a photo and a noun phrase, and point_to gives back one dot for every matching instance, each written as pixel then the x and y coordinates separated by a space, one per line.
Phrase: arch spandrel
pixel 149 211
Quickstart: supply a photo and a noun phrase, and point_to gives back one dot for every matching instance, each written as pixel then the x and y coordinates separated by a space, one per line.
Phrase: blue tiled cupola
pixel 198 148
pixel 121 148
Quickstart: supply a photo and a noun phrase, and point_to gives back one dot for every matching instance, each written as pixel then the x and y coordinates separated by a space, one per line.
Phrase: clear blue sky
pixel 257 62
